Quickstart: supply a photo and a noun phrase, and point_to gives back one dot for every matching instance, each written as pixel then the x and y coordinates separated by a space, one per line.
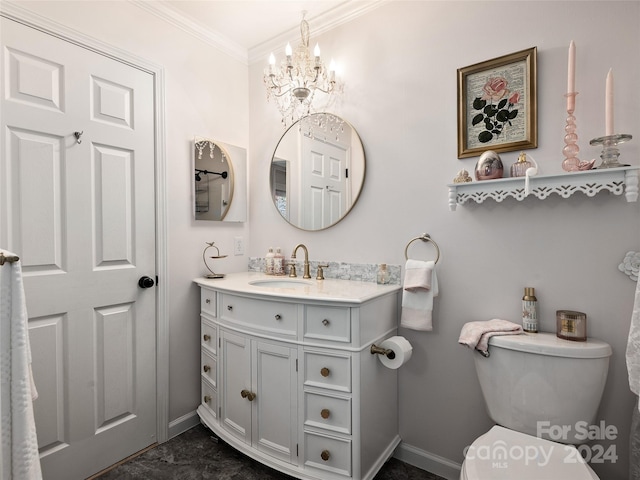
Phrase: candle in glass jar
pixel 608 104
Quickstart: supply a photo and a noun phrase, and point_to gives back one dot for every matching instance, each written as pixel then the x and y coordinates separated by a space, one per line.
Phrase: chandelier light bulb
pixel 316 51
pixel 272 59
pixel 288 50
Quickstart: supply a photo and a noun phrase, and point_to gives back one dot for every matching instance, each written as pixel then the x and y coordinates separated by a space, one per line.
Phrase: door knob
pixel 248 395
pixel 146 282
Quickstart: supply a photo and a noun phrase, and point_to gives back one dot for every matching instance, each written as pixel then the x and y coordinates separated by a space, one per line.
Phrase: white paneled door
pixel 323 183
pixel 77 204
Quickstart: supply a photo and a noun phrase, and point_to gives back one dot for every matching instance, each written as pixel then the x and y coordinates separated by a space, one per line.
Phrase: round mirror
pixel 317 171
pixel 213 180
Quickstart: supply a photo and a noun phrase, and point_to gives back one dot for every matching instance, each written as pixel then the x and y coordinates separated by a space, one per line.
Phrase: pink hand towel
pixel 477 334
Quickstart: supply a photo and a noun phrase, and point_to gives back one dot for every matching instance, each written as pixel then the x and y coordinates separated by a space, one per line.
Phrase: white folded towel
pixel 420 287
pixel 417 275
pixel 476 335
pixel 20 457
pixel 633 345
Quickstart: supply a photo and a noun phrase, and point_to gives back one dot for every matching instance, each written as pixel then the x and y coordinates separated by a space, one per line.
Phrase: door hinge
pixel 297 454
pixel 346 172
pixel 296 364
pixel 156 280
pixel 219 342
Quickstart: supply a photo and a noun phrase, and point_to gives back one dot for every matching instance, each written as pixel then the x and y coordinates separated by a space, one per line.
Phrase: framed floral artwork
pixel 497 105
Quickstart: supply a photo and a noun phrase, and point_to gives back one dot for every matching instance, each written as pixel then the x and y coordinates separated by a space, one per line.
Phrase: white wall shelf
pixel 615 180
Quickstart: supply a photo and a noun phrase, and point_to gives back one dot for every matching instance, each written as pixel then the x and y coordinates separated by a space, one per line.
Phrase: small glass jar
pixel 383 274
pixel 519 169
pixel 571 325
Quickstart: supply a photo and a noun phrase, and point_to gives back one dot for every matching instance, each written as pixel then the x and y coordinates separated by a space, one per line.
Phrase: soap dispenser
pixel 530 310
pixel 269 262
pixel 278 262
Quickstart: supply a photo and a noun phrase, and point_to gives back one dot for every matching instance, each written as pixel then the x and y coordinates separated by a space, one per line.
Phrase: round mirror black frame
pixel 335 163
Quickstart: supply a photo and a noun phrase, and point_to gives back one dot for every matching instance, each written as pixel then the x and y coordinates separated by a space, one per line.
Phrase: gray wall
pixel 399 64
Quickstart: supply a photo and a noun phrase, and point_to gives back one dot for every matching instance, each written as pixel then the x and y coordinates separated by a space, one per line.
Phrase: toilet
pixel 542 392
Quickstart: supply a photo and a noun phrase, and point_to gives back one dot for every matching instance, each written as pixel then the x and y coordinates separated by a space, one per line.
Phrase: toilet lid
pixel 506 454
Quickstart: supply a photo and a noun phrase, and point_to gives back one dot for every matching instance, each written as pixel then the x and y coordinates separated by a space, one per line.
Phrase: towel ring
pixel 425 237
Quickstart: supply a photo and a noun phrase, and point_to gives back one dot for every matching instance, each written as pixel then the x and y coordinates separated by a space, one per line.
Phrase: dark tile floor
pixel 195 455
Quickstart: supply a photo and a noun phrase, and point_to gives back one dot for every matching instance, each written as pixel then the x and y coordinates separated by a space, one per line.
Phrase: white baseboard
pixel 183 423
pixel 428 461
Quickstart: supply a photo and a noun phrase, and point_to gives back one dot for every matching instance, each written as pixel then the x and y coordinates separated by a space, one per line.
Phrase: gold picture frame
pixel 497 104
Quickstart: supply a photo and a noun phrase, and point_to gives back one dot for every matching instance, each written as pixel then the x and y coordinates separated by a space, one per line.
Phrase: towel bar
pixel 425 237
pixel 8 259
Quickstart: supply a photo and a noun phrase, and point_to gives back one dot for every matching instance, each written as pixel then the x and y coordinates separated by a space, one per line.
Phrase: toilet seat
pixel 506 454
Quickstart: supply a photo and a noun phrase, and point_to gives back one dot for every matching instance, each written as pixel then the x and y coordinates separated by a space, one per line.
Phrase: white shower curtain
pixel 19 457
pixel 633 365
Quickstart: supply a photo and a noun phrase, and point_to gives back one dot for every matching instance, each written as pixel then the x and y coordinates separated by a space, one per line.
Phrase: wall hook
pixel 78 135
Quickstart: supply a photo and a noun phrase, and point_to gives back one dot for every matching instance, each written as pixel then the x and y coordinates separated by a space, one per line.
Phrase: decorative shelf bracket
pixel 590 182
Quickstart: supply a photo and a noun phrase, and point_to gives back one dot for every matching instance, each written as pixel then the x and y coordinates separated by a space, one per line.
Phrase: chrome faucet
pixel 306 262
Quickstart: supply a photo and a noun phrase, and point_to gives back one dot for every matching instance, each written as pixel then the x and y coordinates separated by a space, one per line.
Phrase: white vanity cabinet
pixel 289 378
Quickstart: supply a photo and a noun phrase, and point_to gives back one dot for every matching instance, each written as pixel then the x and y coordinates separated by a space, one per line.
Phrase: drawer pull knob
pixel 326 322
pixel 278 316
pixel 325 455
pixel 206 337
pixel 206 368
pixel 208 300
pixel 229 307
pixel 325 372
pixel 207 399
pixel 325 413
pixel 248 395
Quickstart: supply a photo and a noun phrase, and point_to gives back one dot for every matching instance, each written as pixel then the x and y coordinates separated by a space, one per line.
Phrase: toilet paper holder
pixel 382 351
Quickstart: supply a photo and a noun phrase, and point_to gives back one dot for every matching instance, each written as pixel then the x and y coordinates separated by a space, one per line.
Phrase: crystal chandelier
pixel 301 84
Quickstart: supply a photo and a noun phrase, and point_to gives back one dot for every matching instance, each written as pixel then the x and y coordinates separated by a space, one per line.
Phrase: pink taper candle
pixel 608 104
pixel 571 77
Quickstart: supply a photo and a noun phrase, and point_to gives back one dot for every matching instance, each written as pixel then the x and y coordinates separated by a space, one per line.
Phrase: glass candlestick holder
pixel 571 162
pixel 610 152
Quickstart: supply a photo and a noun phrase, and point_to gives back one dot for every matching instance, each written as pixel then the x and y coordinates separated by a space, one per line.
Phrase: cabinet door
pixel 235 359
pixel 275 414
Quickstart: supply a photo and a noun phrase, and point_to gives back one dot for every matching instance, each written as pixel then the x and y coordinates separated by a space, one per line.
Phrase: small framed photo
pixel 497 105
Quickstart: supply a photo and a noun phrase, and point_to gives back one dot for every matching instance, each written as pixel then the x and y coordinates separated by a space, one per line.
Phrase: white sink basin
pixel 280 283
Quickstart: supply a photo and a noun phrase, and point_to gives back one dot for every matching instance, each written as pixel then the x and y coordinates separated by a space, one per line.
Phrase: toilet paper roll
pixel 401 347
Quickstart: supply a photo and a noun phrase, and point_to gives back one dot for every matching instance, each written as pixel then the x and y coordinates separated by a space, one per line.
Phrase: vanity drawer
pixel 327 323
pixel 328 412
pixel 327 453
pixel 208 367
pixel 210 398
pixel 327 370
pixel 276 317
pixel 209 337
pixel 208 301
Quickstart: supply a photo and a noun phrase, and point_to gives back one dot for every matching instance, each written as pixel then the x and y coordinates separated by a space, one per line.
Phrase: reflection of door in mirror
pixel 317 171
pixel 324 183
pixel 213 180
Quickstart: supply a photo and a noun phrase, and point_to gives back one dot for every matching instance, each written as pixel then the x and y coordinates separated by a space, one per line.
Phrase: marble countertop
pixel 328 290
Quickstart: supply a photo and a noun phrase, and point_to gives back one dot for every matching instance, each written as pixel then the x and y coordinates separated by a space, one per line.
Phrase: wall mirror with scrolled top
pixel 219 181
pixel 317 171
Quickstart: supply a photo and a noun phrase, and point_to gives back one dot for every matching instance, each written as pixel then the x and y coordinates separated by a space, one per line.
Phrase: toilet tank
pixel 541 385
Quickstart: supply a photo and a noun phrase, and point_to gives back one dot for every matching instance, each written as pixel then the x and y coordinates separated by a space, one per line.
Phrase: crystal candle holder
pixel 610 152
pixel 571 162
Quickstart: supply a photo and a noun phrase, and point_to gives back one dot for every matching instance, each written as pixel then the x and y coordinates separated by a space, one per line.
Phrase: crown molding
pixel 177 19
pixel 343 13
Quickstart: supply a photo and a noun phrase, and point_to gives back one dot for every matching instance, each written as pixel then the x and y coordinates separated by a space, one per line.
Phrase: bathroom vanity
pixel 288 376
